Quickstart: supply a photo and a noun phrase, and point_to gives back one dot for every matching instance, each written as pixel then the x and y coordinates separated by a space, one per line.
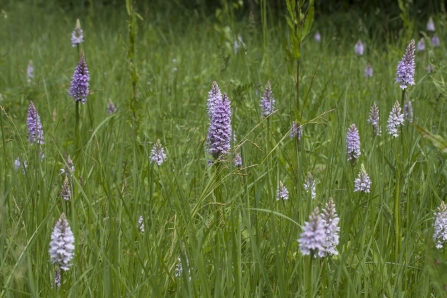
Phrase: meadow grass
pixel 221 224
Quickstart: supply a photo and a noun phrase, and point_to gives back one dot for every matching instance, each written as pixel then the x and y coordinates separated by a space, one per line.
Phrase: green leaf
pixel 309 20
pixel 295 47
pixel 437 140
pixel 290 23
pixel 291 4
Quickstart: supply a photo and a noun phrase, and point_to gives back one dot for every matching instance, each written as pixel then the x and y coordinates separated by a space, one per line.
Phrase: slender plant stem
pixel 297 86
pixel 397 220
pixel 77 136
pixel 309 276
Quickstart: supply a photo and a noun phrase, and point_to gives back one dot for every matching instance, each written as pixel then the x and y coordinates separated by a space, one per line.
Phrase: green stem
pixel 218 194
pixel 309 276
pixel 297 86
pixel 397 220
pixel 77 136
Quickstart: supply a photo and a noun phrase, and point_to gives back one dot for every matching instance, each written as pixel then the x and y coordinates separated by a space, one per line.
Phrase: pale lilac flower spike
pixel 17 163
pixel 238 43
pixel 368 71
pixel 374 120
pixel 362 183
pixel 57 277
pixel 395 120
pixel 435 41
pixel 237 160
pixel 318 36
pixel 313 238
pixel 141 224
pixel 359 48
pixel 408 111
pixel 406 67
pixel 421 45
pixel 214 96
pixel 62 244
pixel 440 225
pixel 296 131
pixel 220 131
pixel 35 131
pixel 430 25
pixel 111 109
pixel 310 186
pixel 80 82
pixel 267 101
pixel 331 228
pixel 353 144
pixel 157 154
pixel 65 192
pixel 77 36
pixel 282 193
pixel 30 72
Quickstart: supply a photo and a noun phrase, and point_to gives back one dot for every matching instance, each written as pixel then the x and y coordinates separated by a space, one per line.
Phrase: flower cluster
pixel 35 131
pixel 421 45
pixel 237 160
pixel 331 228
pixel 440 225
pixel 395 120
pixel 435 41
pixel 312 240
pixel 141 224
pixel 320 235
pixel 353 144
pixel 310 186
pixel 358 48
pixel 65 192
pixel 62 244
pixel 69 167
pixel 238 43
pixel 430 25
pixel 282 193
pixel 408 111
pixel 362 183
pixel 219 132
pixel 30 72
pixel 157 153
pixel 18 163
pixel 317 36
pixel 214 96
pixel 77 36
pixel 80 82
pixel 368 71
pixel 374 120
pixel 57 277
pixel 179 268
pixel 111 109
pixel 296 131
pixel 267 101
pixel 406 67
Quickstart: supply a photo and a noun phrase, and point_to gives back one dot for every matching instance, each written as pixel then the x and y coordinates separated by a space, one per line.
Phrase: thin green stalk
pixel 77 128
pixel 397 217
pixel 297 85
pixel 397 220
pixel 218 194
pixel 309 275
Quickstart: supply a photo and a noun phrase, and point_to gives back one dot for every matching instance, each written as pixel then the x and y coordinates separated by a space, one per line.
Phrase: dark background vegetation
pixel 381 16
pixel 277 6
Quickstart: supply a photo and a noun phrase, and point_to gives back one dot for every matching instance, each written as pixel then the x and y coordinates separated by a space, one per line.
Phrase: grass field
pixel 216 230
